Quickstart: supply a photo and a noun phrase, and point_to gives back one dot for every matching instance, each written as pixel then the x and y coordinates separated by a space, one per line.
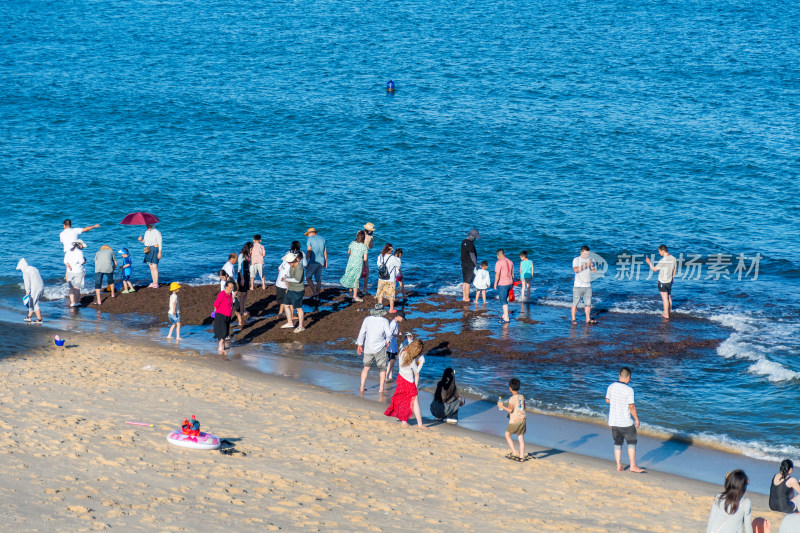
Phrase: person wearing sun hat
pixel 316 260
pixel 174 311
pixel 369 227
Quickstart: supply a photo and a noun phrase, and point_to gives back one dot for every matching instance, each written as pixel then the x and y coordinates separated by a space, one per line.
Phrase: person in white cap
pixel 34 287
pixel 295 292
pixel 75 273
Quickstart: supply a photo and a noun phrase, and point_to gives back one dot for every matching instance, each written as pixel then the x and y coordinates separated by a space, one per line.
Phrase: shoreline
pixel 346 468
pixel 335 378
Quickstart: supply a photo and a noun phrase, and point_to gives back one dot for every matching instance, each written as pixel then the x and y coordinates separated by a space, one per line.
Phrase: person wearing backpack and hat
pixel 388 267
pixel 369 227
pixel 174 311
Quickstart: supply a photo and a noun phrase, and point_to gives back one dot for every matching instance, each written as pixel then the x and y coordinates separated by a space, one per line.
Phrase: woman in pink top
pixel 503 280
pixel 223 307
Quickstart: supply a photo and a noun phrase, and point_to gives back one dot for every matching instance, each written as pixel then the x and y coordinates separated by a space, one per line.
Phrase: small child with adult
pixel 525 274
pixel 257 262
pixel 174 311
pixel 482 281
pixel 666 275
pixel 405 400
pixel 516 419
pixel 127 271
pixel 391 351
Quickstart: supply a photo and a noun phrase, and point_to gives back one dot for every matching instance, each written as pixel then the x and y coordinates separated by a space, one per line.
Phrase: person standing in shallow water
pixel 355 264
pixel 369 227
pixel 469 262
pixel 666 275
pixel 583 266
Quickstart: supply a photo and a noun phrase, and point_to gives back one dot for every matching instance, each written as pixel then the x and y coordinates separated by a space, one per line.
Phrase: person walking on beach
pixel 666 275
pixel 583 266
pixel 153 247
pixel 469 262
pixel 223 308
pixel 104 266
pixel 622 418
pixel 388 267
pixel 257 262
pixel 732 512
pixel 34 288
pixel 174 311
pixel 503 280
pixel 316 260
pixel 74 261
pixel 373 340
pixel 295 292
pixel 405 400
pixel 369 228
pixel 355 264
pixel 517 419
pixel 69 234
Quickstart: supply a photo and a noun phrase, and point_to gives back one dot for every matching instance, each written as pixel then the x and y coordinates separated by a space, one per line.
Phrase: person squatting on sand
pixel 731 511
pixel 517 418
pixel 373 340
pixel 405 400
pixel 34 288
pixel 153 247
pixel 357 251
pixel 469 261
pixel 622 418
pixel 223 308
pixel 446 401
pixel 784 491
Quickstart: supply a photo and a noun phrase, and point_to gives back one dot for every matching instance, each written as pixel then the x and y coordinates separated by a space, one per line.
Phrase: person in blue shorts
pixel 127 270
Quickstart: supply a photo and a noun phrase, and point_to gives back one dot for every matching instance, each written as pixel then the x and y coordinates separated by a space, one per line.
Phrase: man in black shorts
pixel 469 262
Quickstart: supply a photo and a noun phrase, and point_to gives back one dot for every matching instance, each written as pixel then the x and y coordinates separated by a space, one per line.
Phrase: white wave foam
pixel 739 322
pixel 737 347
pixel 555 303
pixel 450 290
pixel 772 370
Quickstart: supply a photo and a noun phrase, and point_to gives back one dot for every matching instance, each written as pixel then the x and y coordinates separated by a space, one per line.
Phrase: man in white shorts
pixel 583 266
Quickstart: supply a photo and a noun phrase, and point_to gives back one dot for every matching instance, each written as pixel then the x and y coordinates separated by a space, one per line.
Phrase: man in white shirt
pixel 69 235
pixel 622 418
pixel 153 244
pixel 74 262
pixel 666 275
pixel 583 266
pixel 373 339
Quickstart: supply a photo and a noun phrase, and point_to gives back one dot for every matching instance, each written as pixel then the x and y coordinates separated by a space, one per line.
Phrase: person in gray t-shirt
pixel 104 265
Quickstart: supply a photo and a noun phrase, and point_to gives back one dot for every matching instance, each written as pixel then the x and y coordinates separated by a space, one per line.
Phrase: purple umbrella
pixel 139 218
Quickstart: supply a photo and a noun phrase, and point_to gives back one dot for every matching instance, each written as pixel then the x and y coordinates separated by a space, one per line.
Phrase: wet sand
pixel 305 459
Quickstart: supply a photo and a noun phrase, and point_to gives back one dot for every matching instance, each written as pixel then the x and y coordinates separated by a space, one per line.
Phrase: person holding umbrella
pixel 151 240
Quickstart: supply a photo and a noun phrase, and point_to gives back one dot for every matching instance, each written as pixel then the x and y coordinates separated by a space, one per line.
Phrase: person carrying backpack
pixel 388 267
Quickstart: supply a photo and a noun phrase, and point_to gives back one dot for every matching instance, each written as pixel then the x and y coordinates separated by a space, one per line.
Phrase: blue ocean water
pixel 546 125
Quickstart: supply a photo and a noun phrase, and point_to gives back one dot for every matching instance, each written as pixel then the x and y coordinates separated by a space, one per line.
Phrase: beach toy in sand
pixel 390 86
pixel 190 436
pixel 59 341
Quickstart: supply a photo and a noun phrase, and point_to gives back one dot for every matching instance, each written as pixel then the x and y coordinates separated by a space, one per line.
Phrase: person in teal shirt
pixel 525 274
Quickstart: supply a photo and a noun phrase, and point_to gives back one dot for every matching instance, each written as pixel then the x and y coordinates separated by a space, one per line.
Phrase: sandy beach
pixel 305 459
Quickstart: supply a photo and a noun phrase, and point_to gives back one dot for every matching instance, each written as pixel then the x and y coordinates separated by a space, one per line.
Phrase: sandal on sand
pixel 287 326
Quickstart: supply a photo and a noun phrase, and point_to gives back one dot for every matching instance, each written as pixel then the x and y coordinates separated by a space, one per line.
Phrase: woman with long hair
pixel 784 491
pixel 243 279
pixel 405 400
pixel 355 263
pixel 446 400
pixel 731 510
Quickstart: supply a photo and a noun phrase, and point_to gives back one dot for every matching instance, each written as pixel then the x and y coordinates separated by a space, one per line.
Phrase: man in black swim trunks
pixel 469 262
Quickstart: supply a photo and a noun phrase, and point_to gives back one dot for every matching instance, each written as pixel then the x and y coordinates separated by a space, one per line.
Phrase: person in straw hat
pixel 369 227
pixel 316 260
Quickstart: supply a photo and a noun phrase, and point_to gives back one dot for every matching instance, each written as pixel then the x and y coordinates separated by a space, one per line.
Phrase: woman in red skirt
pixel 405 400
